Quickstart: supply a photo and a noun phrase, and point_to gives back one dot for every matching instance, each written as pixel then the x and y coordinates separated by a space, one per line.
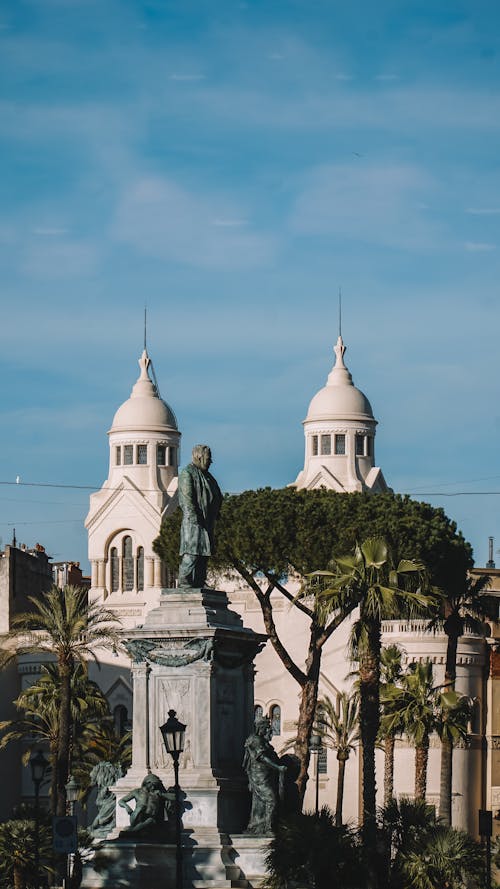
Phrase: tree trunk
pixel 53 780
pixel 340 791
pixel 65 669
pixel 452 630
pixel 307 712
pixel 421 757
pixel 369 682
pixel 445 782
pixel 389 745
pixel 18 874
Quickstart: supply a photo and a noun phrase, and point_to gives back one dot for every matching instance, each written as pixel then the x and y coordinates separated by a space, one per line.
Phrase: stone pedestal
pixel 193 655
pixel 209 860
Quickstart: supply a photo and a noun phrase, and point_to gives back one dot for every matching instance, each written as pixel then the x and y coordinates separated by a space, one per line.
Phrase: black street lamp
pixel 39 766
pixel 315 748
pixel 72 790
pixel 173 733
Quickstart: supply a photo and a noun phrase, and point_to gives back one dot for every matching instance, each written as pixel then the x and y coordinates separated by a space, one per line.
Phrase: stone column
pixel 157 573
pixel 140 724
pixel 149 572
pixel 101 573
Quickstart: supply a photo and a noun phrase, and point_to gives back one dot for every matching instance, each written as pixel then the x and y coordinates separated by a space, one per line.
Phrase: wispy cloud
pixel 229 223
pixel 483 211
pixel 64 259
pixel 375 203
pixel 159 217
pixel 49 232
pixel 187 77
pixel 479 247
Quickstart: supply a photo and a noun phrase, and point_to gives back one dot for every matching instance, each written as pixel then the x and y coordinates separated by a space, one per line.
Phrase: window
pixel 142 454
pixel 128 455
pixel 369 451
pixel 326 444
pixel 257 712
pixel 340 444
pixel 172 456
pixel 120 720
pixel 128 565
pixel 118 456
pixel 115 570
pixel 161 455
pixel 314 446
pixel 360 445
pixel 275 717
pixel 140 568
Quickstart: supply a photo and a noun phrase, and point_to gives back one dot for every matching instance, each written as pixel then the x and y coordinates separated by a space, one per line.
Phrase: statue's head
pixel 152 782
pixel 263 727
pixel 202 457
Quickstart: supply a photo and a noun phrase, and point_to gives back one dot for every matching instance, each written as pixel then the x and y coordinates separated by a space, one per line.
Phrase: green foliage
pixel 270 530
pixel 17 853
pixel 412 705
pixel 311 851
pixel 450 858
pixel 339 730
pixel 64 624
pixel 424 854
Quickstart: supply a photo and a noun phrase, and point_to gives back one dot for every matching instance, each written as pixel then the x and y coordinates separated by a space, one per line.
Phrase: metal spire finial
pixel 145 329
pixel 340 311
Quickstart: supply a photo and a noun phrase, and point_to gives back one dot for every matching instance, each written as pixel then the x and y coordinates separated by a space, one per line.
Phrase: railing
pixel 418 628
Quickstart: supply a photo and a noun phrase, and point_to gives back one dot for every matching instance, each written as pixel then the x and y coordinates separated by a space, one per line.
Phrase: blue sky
pixel 231 165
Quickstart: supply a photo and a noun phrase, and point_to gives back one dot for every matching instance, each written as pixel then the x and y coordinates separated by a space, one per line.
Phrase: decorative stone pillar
pixel 140 721
pixel 157 573
pixel 193 655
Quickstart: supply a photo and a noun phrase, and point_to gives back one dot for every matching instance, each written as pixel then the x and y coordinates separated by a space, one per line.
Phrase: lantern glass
pixel 72 790
pixel 38 765
pixel 173 733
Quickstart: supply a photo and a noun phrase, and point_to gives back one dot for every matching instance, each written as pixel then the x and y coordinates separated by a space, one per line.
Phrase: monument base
pixel 209 861
pixel 194 656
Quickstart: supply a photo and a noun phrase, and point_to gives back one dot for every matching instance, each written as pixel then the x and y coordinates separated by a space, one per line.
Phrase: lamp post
pixel 173 733
pixel 315 748
pixel 38 765
pixel 71 789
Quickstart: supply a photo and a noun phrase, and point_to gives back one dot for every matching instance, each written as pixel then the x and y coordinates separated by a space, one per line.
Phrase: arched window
pixel 120 720
pixel 257 711
pixel 128 565
pixel 275 717
pixel 140 568
pixel 115 570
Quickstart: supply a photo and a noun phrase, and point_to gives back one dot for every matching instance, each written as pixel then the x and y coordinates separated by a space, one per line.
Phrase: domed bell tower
pixel 126 514
pixel 339 434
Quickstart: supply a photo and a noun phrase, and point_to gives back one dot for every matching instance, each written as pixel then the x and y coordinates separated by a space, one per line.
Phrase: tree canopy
pixel 271 530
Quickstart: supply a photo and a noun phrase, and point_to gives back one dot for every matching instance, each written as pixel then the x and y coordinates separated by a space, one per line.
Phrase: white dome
pixel 339 399
pixel 144 410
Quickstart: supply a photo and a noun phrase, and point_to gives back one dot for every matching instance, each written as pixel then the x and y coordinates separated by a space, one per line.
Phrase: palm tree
pixel 64 624
pixel 340 731
pixel 454 716
pixel 312 851
pixel 17 852
pixel 466 608
pixel 382 594
pixel 390 674
pixel 40 702
pixel 449 858
pixel 408 825
pixel 413 706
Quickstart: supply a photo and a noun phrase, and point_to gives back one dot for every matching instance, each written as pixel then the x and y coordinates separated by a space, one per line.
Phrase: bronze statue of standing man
pixel 200 499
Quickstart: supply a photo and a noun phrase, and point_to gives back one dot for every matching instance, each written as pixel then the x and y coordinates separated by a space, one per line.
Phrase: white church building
pixel 125 517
